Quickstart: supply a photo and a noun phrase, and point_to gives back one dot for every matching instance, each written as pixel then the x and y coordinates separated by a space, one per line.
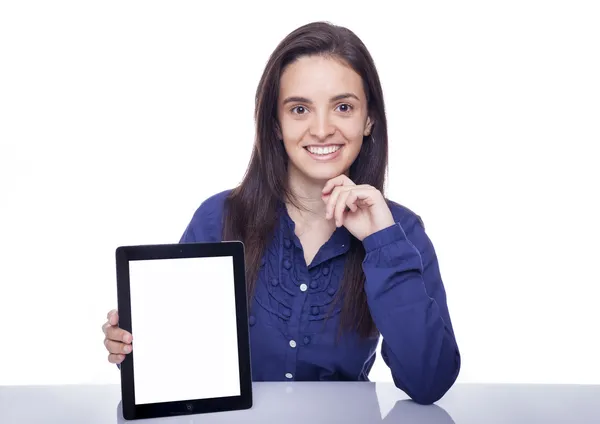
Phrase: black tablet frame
pixel 125 254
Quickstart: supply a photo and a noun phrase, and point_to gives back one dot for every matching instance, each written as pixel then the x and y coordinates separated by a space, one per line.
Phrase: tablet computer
pixel 186 308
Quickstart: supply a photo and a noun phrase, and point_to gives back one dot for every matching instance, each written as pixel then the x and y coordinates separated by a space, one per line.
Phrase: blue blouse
pixel 289 336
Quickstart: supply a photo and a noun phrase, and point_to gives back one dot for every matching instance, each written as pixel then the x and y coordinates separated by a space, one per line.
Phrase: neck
pixel 307 194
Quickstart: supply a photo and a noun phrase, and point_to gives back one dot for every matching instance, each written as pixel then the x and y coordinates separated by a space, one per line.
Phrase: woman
pixel 332 264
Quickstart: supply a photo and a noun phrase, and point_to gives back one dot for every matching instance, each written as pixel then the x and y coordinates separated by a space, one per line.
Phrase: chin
pixel 324 174
pixel 324 167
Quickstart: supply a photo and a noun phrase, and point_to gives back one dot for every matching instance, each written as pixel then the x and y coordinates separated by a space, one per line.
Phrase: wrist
pixel 384 236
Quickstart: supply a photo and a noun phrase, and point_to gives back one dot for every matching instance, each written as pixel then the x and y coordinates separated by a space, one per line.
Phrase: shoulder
pixel 207 221
pixel 412 228
pixel 403 215
pixel 213 204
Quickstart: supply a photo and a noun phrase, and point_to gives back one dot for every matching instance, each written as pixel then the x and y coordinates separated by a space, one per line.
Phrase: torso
pixel 313 238
pixel 293 318
pixel 294 303
pixel 312 233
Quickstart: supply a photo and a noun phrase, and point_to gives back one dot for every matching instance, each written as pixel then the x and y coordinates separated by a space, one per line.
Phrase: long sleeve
pixel 407 301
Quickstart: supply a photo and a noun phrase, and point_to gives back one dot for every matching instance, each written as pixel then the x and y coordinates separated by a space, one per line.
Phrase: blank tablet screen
pixel 183 321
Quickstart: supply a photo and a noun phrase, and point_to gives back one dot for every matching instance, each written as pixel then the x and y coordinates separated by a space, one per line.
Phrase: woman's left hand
pixel 362 209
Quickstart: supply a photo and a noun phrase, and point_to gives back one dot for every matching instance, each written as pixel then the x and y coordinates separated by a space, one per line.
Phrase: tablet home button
pixel 189 407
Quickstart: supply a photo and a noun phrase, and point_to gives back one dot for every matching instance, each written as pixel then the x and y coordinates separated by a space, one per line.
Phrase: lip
pixel 325 158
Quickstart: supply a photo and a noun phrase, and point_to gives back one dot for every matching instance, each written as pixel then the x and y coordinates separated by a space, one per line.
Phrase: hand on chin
pixel 362 209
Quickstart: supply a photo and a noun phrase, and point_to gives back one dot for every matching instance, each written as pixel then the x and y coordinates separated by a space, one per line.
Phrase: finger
pixel 118 334
pixel 111 312
pixel 352 201
pixel 333 198
pixel 362 195
pixel 341 180
pixel 331 184
pixel 113 317
pixel 117 347
pixel 340 208
pixel 115 359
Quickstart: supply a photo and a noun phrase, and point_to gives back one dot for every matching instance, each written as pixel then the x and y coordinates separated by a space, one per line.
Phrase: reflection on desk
pixel 322 402
pixel 328 402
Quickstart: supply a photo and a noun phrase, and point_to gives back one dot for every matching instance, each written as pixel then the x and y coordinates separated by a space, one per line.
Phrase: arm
pixel 407 301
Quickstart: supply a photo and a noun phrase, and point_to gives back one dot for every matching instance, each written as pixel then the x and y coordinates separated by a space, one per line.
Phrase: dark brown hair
pixel 251 208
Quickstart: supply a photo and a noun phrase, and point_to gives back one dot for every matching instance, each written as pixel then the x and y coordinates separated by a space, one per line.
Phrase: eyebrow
pixel 294 99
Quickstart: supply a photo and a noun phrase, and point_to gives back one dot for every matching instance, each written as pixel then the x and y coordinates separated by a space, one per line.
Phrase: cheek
pixel 353 133
pixel 355 149
pixel 293 135
pixel 292 131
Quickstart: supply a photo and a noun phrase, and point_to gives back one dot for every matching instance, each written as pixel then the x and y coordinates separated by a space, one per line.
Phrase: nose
pixel 321 126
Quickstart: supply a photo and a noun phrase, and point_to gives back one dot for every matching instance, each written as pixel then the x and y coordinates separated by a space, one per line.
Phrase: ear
pixel 368 127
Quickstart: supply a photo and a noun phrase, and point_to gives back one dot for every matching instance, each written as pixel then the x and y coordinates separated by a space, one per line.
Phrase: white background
pixel 117 118
pixel 183 319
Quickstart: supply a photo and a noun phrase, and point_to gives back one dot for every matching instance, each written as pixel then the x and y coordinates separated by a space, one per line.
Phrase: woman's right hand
pixel 116 340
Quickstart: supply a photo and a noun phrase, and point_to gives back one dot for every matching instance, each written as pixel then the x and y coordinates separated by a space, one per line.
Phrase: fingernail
pixel 127 349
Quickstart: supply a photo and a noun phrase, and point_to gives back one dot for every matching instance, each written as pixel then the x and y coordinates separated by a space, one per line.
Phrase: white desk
pixel 322 402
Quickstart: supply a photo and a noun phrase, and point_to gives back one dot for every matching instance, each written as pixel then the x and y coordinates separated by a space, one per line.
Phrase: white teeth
pixel 323 150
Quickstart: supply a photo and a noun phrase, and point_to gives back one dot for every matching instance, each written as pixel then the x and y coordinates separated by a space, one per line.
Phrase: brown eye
pixel 345 107
pixel 299 110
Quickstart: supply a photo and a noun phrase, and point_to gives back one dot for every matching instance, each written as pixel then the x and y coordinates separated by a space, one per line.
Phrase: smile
pixel 324 153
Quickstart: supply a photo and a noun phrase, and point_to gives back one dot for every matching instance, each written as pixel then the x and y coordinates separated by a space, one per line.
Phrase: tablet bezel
pixel 126 254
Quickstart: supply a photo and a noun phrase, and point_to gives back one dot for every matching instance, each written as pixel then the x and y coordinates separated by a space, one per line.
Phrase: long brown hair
pixel 251 210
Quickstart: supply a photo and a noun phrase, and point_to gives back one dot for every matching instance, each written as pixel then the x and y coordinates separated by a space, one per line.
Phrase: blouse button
pixel 314 284
pixel 303 287
pixel 288 375
pixel 314 310
pixel 252 320
pixel 287 243
pixel 292 344
pixel 306 340
pixel 287 264
pixel 274 281
pixel 325 270
pixel 331 291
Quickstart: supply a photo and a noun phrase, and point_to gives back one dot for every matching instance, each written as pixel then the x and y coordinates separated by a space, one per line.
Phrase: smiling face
pixel 323 116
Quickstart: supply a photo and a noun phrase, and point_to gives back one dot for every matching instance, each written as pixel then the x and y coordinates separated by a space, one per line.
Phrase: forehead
pixel 317 76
